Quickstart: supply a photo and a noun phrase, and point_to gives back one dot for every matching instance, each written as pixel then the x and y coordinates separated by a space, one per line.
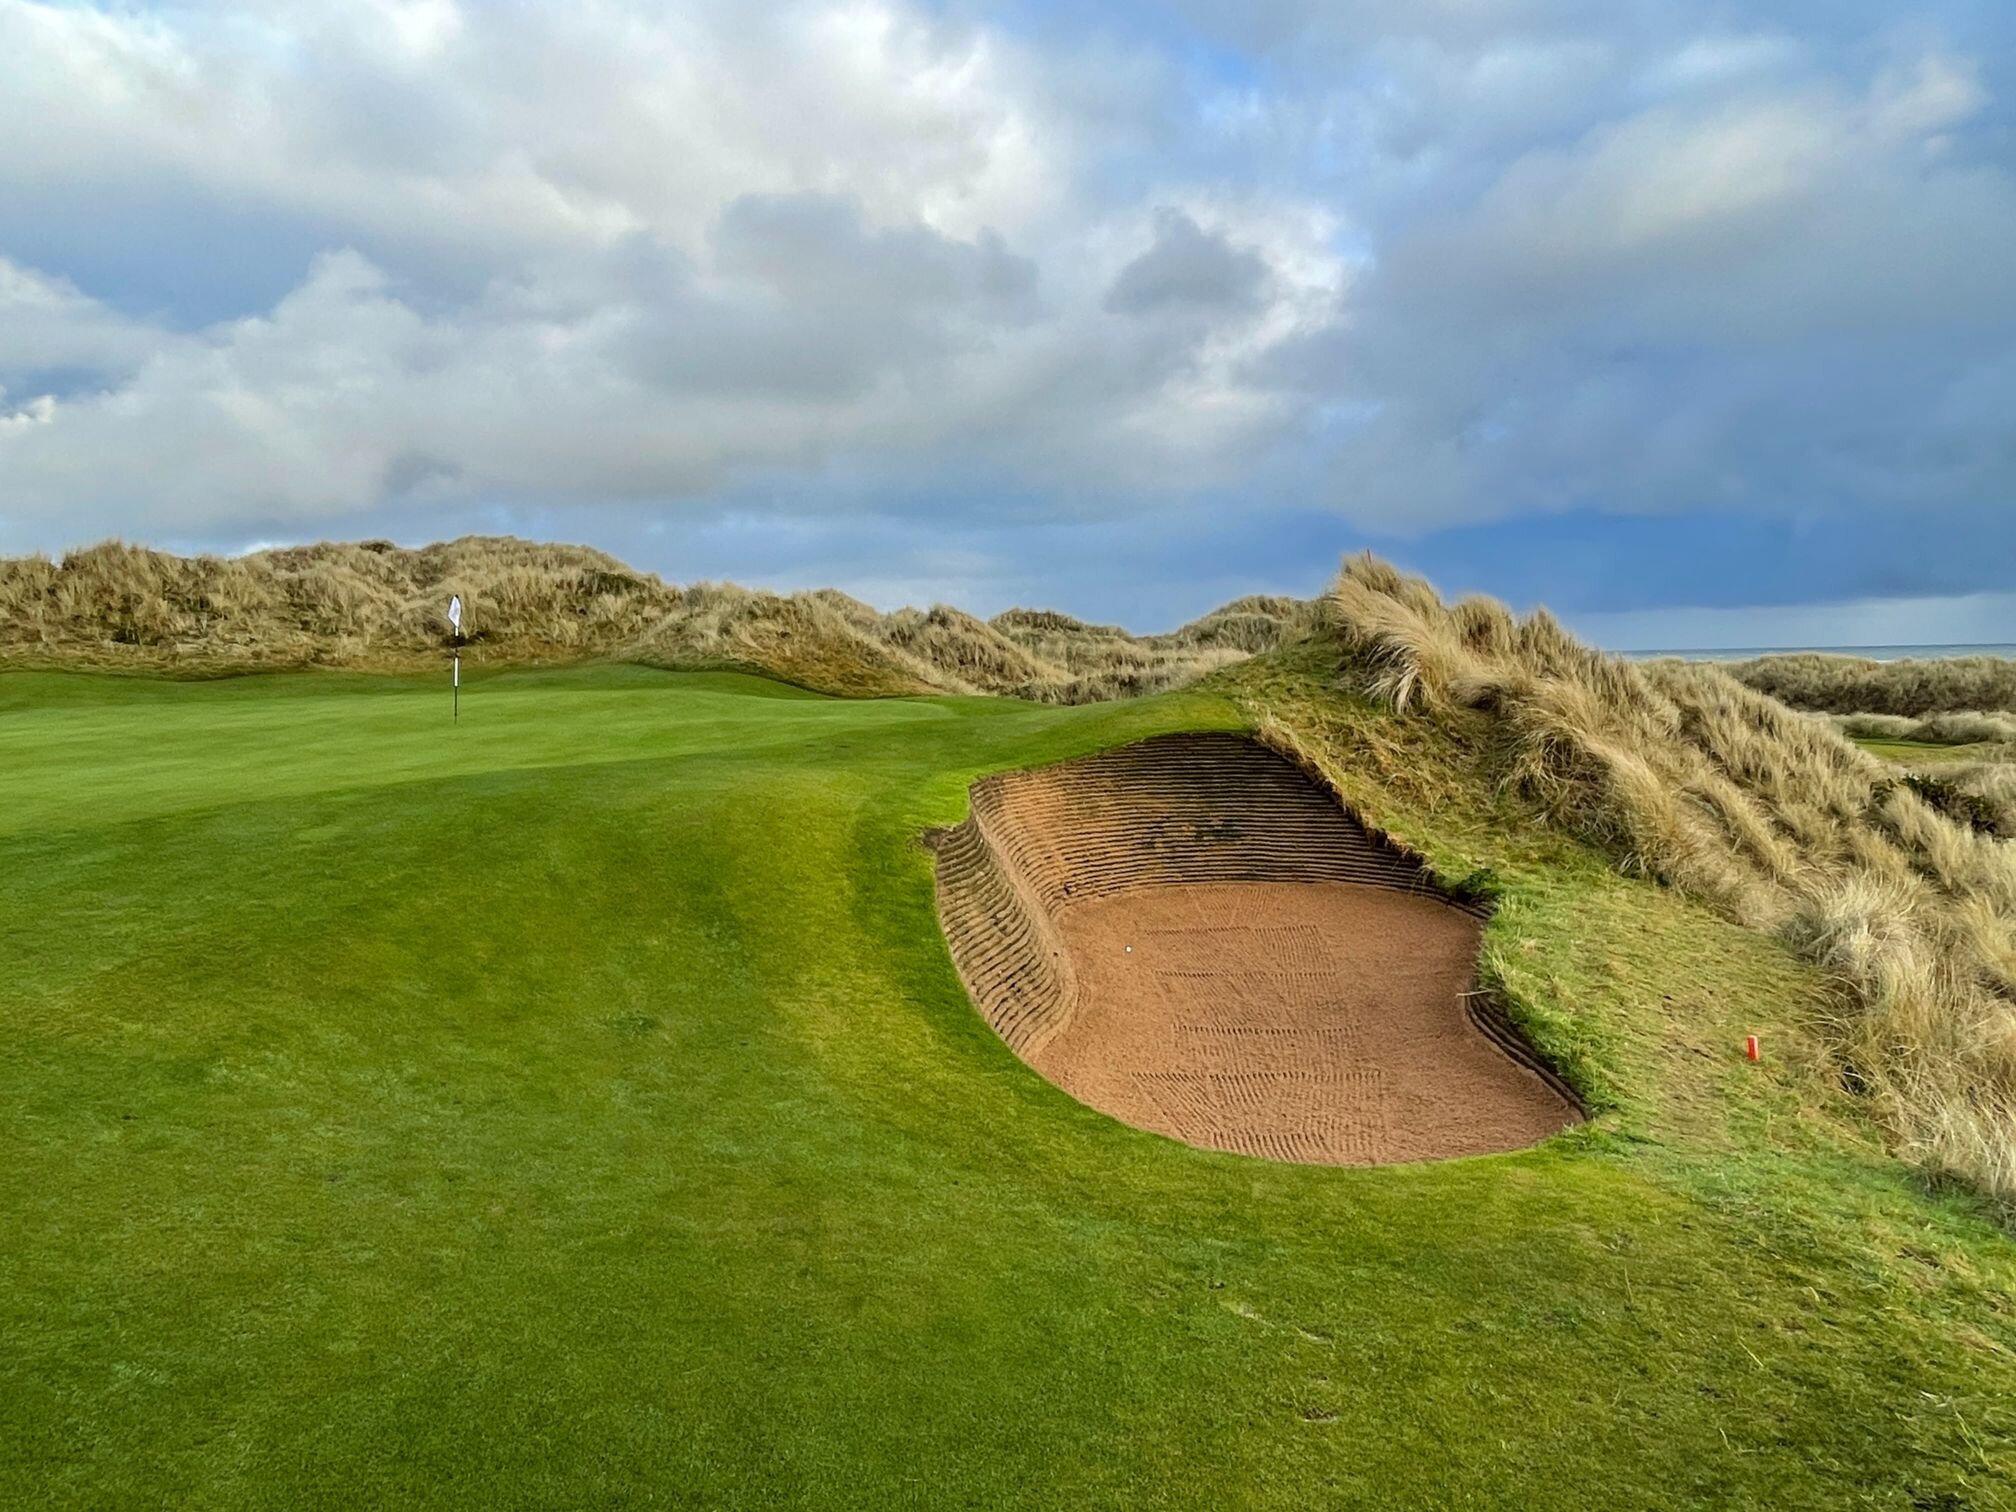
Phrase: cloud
pixel 816 250
pixel 1783 301
pixel 692 252
pixel 1408 269
pixel 806 341
pixel 1187 268
pixel 50 326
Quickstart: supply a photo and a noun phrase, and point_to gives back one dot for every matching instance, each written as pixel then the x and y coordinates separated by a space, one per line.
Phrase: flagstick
pixel 455 676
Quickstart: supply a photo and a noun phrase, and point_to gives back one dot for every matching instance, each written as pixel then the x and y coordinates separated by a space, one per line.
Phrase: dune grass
pixel 1964 728
pixel 1683 774
pixel 1972 783
pixel 1907 688
pixel 378 606
pixel 576 1107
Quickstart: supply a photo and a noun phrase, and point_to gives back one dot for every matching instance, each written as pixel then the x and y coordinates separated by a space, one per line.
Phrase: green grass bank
pixel 576 1106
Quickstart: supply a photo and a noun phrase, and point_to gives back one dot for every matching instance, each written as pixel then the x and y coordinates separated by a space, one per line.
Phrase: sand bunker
pixel 1193 936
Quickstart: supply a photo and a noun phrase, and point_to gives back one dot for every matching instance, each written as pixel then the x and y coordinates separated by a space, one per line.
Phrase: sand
pixel 1193 936
pixel 1318 1022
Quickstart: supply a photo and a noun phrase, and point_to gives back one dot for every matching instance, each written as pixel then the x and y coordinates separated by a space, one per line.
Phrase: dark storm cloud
pixel 1187 268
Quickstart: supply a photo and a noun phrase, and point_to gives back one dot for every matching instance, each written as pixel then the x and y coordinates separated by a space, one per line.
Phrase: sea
pixel 1871 653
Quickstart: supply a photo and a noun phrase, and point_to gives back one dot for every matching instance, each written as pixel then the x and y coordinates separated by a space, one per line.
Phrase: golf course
pixel 923 756
pixel 574 1103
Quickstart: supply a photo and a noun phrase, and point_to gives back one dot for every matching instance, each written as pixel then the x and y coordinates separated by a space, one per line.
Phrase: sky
pixel 1694 320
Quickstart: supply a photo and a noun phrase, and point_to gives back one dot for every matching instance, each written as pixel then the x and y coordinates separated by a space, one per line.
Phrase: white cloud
pixel 1416 264
pixel 806 338
pixel 679 249
pixel 47 323
pixel 1767 300
pixel 1934 92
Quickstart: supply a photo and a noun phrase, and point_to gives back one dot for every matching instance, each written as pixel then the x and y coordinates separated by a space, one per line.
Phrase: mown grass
pixel 576 1106
pixel 1923 752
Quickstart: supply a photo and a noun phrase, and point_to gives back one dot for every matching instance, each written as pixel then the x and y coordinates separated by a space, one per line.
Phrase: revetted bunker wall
pixel 1172 809
pixel 1194 936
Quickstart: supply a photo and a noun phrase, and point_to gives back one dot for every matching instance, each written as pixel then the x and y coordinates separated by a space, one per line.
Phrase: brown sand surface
pixel 1191 934
pixel 1310 1021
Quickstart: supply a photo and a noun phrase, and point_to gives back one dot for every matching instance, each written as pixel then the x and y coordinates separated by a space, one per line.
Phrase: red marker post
pixel 1750 1047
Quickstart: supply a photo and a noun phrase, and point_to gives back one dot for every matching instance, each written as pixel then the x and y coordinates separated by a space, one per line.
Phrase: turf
pixel 575 1106
pixel 1921 752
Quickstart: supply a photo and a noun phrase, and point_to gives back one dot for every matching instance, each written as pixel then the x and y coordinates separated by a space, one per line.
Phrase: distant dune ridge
pixel 1834 684
pixel 376 605
pixel 1962 727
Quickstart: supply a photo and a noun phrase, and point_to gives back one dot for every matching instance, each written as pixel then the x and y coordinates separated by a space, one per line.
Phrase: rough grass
pixel 1977 793
pixel 1857 685
pixel 1685 775
pixel 576 1107
pixel 378 606
pixel 1974 785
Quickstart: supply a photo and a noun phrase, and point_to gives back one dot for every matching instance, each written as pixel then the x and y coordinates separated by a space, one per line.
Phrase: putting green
pixel 577 1106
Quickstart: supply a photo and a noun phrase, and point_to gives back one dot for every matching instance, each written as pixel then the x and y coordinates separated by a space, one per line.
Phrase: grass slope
pixel 577 1107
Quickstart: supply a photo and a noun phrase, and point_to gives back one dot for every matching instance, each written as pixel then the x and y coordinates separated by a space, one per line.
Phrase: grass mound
pixel 379 606
pixel 1686 775
pixel 332 604
pixel 1963 764
pixel 806 639
pixel 1977 793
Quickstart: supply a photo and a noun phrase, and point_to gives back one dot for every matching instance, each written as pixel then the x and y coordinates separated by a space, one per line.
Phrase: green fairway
pixel 1922 752
pixel 576 1106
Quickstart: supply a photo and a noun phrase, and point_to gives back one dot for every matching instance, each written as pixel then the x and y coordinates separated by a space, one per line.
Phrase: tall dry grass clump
pixel 1686 775
pixel 331 603
pixel 374 604
pixel 1099 662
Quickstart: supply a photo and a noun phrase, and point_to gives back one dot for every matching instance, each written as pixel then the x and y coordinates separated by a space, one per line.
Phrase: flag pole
pixel 455 671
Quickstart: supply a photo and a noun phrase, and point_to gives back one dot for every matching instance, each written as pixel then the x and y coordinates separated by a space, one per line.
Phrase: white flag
pixel 455 613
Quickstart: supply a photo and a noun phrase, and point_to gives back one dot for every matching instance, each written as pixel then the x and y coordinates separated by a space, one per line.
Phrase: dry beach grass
pixel 1960 727
pixel 376 605
pixel 1910 687
pixel 1685 774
